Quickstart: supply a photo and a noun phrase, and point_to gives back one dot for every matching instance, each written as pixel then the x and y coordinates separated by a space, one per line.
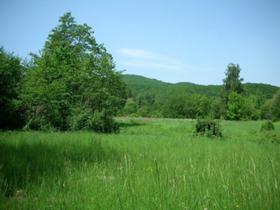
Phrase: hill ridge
pixel 141 85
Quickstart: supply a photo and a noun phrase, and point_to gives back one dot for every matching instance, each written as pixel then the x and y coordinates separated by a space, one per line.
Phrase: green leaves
pixel 232 82
pixel 11 73
pixel 73 75
pixel 235 104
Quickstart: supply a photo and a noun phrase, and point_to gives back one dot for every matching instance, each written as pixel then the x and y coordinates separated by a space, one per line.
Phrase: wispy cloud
pixel 139 58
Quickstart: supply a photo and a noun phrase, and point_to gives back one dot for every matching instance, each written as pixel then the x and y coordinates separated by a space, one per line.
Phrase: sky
pixel 170 40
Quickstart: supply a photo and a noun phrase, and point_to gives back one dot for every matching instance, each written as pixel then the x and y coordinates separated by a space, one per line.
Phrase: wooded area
pixel 73 84
pixel 154 98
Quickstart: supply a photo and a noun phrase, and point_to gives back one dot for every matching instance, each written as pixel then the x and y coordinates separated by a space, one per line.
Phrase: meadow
pixel 150 164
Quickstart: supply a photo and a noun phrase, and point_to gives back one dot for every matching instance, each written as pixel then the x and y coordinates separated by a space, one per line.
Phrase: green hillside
pixel 155 98
pixel 139 85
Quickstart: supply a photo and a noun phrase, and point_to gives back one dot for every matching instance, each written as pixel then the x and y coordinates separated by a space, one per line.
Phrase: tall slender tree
pixel 232 83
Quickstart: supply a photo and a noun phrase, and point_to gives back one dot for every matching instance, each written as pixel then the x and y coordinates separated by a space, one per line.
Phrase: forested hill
pixel 139 85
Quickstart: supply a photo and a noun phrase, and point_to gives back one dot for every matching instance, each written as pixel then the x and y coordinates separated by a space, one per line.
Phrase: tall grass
pixel 151 164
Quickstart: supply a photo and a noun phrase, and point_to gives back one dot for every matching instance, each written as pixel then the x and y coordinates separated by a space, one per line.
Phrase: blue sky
pixel 174 41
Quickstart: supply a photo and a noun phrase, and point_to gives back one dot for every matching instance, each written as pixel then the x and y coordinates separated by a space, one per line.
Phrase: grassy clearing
pixel 150 164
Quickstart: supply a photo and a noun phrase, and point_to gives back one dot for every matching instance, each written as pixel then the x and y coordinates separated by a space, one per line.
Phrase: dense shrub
pixel 267 126
pixel 97 121
pixel 208 127
pixel 103 122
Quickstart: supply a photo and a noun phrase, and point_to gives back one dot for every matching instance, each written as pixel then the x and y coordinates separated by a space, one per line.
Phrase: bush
pixel 267 126
pixel 103 122
pixel 98 121
pixel 208 127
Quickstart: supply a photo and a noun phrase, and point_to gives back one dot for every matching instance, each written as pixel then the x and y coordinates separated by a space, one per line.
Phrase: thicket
pixel 208 127
pixel 267 126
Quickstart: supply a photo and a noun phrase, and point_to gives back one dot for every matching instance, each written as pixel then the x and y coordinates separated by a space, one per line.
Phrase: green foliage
pixel 11 73
pixel 187 106
pixel 202 105
pixel 249 109
pixel 178 107
pixel 262 91
pixel 155 98
pixel 72 73
pixel 130 107
pixel 270 109
pixel 103 122
pixel 232 82
pixel 240 107
pixel 275 106
pixel 266 110
pixel 84 119
pixel 235 105
pixel 267 126
pixel 216 108
pixel 232 87
pixel 208 127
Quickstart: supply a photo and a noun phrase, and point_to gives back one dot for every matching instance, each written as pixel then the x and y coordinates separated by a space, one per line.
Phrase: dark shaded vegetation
pixel 267 126
pixel 11 73
pixel 26 162
pixel 208 127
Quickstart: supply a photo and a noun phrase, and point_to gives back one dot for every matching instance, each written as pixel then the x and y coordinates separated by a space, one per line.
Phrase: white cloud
pixel 139 58
pixel 137 53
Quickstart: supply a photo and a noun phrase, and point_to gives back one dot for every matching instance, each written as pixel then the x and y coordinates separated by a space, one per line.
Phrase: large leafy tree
pixel 73 82
pixel 11 72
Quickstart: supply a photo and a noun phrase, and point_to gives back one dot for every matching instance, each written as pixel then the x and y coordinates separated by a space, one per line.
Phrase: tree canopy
pixel 11 72
pixel 73 82
pixel 233 82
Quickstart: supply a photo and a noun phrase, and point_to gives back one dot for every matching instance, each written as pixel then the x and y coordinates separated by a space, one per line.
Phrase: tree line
pixel 232 101
pixel 73 84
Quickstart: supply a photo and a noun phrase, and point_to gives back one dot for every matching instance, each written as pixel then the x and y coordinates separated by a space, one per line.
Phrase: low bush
pixel 102 122
pixel 208 127
pixel 267 126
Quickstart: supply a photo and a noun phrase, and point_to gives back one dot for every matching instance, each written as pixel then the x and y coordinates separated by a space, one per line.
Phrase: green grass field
pixel 150 164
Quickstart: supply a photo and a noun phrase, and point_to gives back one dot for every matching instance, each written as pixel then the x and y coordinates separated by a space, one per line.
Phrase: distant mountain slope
pixel 140 85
